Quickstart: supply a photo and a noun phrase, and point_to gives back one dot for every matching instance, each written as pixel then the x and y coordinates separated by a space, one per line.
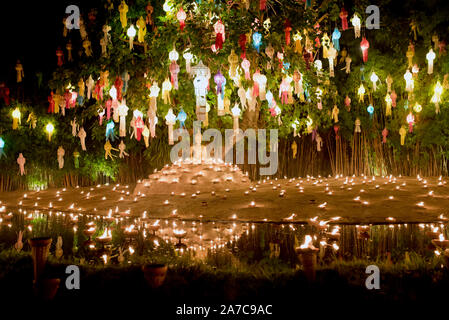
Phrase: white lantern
pixel 131 34
pixel 430 56
pixel 236 114
pixel 170 120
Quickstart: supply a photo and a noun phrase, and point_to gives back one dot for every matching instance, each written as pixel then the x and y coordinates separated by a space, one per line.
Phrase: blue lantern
pixel 257 40
pixel 182 117
pixel 269 97
pixel 336 39
pixel 2 145
pixel 110 131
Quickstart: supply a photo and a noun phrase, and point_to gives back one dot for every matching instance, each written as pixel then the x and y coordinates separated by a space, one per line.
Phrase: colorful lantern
pixel 170 120
pixel 430 56
pixel 131 34
pixel 344 19
pixel 364 45
pixel 50 128
pixel 2 145
pixel 287 29
pixel 374 78
pixel 417 107
pixel 188 56
pixel 122 112
pixel 181 16
pixel 109 131
pixel 361 92
pixel 182 117
pixel 219 30
pixel 409 82
pixel 220 82
pixel 436 98
pixel 402 133
pixel 331 55
pixel 411 121
pixel 370 110
pixel 355 20
pixel 388 101
pixel 257 40
pixel 384 135
pixel 166 88
pixel 336 39
pixel 236 114
pixel 16 118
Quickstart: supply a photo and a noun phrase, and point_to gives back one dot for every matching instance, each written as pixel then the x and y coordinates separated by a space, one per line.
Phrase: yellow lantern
pixel 361 92
pixel 436 98
pixel 49 128
pixel 15 118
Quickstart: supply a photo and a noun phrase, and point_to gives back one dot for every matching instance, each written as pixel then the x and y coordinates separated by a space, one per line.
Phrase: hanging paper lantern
pixel 131 34
pixel 269 97
pixel 182 117
pixel 138 124
pixel 181 16
pixel 146 135
pixel 16 118
pixel 260 82
pixel 201 83
pixel 356 24
pixel 220 82
pixel 389 81
pixel 403 133
pixel 319 93
pixel 411 121
pixel 236 114
pixel 21 160
pixel 262 5
pixel 219 29
pixel 430 56
pixel 393 96
pixel 336 39
pixel 297 38
pixel 166 88
pixel 168 7
pixel 188 56
pixel 257 40
pixel 436 98
pixel 374 78
pixel 384 135
pixel 110 131
pixel 388 101
pixel 50 128
pixel 409 82
pixel 344 19
pixel 122 112
pixel 417 107
pixel 245 65
pixel 357 126
pixel 335 112
pixel 2 145
pixel 287 29
pixel 123 9
pixel 331 55
pixel 361 92
pixel 174 68
pixel 364 45
pixel 170 120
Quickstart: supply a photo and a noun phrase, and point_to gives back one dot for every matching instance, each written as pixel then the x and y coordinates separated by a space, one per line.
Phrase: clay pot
pixel 155 274
pixel 39 251
pixel 308 260
pixel 46 288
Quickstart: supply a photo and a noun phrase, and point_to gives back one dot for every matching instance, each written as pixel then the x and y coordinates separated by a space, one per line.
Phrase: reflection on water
pixel 99 238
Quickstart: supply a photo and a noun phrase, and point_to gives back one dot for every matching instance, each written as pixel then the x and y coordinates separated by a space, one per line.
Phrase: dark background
pixel 31 31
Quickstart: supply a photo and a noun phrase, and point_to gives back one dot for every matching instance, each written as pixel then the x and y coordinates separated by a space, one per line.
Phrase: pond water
pixel 119 236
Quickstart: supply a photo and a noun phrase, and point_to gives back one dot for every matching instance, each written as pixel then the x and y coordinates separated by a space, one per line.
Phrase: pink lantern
pixel 411 121
pixel 181 15
pixel 219 29
pixel 364 45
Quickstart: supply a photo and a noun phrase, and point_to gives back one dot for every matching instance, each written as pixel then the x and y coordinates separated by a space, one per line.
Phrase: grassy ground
pixel 339 284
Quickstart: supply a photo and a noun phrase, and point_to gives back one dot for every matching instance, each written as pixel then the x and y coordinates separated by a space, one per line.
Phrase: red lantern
pixel 364 45
pixel 287 29
pixel 344 19
pixel 181 15
pixel 242 43
pixel 336 128
pixel 60 55
pixel 262 5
